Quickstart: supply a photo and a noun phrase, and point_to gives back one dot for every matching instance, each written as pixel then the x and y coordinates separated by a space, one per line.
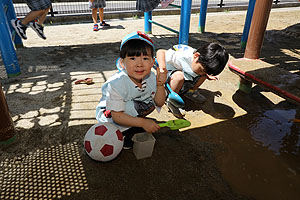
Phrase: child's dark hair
pixel 213 58
pixel 136 47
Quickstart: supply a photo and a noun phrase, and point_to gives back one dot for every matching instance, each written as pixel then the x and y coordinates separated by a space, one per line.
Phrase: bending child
pixel 134 92
pixel 188 68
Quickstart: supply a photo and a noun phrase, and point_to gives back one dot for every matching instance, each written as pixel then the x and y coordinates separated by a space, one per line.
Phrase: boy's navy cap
pixel 137 35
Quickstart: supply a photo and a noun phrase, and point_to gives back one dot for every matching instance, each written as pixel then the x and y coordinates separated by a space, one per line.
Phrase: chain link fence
pixel 79 7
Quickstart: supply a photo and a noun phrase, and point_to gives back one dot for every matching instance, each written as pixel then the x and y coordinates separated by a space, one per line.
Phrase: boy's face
pixel 138 67
pixel 197 66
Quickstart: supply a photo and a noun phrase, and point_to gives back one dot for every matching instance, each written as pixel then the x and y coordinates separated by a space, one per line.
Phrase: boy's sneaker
pixel 104 24
pixel 195 96
pixel 177 112
pixel 128 143
pixel 19 28
pixel 95 28
pixel 39 29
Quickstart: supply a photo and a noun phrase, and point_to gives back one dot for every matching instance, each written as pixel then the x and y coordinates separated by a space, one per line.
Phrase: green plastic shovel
pixel 176 124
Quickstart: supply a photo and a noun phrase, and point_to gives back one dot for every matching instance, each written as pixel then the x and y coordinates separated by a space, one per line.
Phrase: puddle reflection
pixel 276 130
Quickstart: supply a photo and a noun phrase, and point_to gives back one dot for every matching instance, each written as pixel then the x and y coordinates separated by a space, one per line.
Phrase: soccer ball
pixel 103 142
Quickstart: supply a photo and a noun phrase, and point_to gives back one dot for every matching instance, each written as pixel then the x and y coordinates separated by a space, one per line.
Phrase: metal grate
pixel 45 174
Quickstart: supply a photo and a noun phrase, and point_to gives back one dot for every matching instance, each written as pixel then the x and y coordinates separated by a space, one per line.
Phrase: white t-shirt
pixel 119 93
pixel 181 60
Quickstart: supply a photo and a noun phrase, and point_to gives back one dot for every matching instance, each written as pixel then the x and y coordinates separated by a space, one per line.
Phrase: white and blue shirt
pixel 119 93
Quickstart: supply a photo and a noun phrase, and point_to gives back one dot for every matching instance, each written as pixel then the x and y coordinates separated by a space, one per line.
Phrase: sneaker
pixel 104 24
pixel 39 29
pixel 177 112
pixel 19 28
pixel 128 143
pixel 195 96
pixel 95 28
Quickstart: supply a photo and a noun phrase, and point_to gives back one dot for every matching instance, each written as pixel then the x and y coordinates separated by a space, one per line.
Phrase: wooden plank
pixel 273 78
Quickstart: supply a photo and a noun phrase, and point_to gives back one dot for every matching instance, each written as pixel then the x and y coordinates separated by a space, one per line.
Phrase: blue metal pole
pixel 7 48
pixel 185 21
pixel 12 15
pixel 247 25
pixel 202 17
pixel 163 26
pixel 147 24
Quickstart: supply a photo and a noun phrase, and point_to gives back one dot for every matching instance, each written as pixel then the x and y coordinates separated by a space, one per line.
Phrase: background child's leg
pixel 94 15
pixel 42 18
pixel 32 16
pixel 101 14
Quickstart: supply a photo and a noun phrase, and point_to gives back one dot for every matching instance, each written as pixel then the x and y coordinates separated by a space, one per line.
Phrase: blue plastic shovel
pixel 174 98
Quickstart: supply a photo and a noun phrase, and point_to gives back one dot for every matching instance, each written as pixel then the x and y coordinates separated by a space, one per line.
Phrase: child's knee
pixel 178 76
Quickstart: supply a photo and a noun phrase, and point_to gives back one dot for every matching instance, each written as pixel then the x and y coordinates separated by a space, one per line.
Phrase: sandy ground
pixel 215 158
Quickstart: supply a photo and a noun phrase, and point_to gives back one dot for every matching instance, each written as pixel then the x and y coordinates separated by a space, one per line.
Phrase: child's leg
pixel 176 81
pixel 128 134
pixel 94 15
pixel 194 94
pixel 101 14
pixel 42 18
pixel 199 82
pixel 32 16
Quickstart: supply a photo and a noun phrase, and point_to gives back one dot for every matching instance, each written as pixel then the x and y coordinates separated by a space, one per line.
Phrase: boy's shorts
pixel 36 5
pixel 188 84
pixel 97 4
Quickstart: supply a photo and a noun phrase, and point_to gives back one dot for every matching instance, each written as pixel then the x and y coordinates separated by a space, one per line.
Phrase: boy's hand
pixel 212 78
pixel 150 126
pixel 161 76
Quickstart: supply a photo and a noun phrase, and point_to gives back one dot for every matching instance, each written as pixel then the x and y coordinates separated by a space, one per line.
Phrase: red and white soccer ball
pixel 103 142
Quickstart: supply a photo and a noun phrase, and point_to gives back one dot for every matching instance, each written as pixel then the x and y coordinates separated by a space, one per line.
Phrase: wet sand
pixel 240 146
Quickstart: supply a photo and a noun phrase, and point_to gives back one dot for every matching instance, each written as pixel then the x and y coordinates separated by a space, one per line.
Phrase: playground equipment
pixel 184 22
pixel 260 18
pixel 203 13
pixel 247 23
pixel 7 129
pixel 249 77
pixel 7 36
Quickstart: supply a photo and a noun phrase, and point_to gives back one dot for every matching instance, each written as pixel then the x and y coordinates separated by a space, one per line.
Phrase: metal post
pixel 185 21
pixel 8 52
pixel 202 17
pixel 12 15
pixel 247 23
pixel 7 129
pixel 147 24
pixel 257 29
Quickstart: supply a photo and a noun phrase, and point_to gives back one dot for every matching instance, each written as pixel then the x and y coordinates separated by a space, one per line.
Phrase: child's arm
pixel 202 79
pixel 124 119
pixel 161 58
pixel 160 94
